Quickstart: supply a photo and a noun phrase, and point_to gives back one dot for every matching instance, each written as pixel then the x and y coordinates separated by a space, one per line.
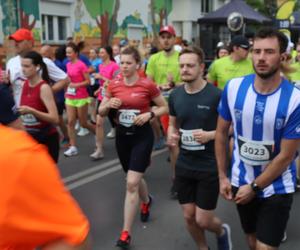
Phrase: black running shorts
pixel 134 146
pixel 199 187
pixel 267 217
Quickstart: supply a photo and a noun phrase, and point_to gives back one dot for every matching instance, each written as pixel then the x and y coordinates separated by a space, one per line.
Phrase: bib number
pixel 29 120
pixel 188 141
pixel 127 116
pixel 255 153
pixel 166 94
pixel 71 91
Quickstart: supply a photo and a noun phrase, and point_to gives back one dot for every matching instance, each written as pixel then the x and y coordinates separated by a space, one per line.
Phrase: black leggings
pixel 134 146
pixel 51 141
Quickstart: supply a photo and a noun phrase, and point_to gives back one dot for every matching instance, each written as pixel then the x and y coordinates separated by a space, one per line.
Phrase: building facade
pixel 53 20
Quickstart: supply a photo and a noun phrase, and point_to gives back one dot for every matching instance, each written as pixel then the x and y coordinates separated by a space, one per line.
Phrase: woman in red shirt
pixel 37 106
pixel 130 97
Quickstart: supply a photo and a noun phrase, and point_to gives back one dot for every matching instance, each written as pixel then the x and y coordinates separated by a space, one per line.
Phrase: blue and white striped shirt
pixel 260 122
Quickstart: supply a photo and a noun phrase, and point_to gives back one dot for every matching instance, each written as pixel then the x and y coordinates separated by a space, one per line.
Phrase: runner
pixel 77 97
pixel 130 96
pixel 264 109
pixel 37 105
pixel 108 70
pixel 42 213
pixel 163 69
pixel 235 65
pixel 193 115
pixel 24 43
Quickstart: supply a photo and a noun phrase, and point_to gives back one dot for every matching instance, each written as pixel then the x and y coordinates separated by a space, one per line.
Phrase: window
pixel 62 28
pixel 206 6
pixel 54 28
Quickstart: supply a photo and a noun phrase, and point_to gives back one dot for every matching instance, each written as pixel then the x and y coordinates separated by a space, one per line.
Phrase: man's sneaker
pixel 145 210
pixel 284 238
pixel 111 134
pixel 71 151
pixel 224 241
pixel 97 155
pixel 83 132
pixel 124 240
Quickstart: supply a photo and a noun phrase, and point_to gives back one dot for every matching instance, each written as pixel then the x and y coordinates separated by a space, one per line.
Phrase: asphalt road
pixel 99 187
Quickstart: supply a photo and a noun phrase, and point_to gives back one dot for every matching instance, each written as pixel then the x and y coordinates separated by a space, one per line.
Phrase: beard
pixel 265 75
pixel 189 79
pixel 167 49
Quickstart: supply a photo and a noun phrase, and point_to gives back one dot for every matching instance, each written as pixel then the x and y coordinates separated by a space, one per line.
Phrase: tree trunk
pixel 103 24
pixel 113 23
pixel 155 36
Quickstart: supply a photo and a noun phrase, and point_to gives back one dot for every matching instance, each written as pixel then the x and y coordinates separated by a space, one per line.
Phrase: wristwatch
pixel 255 187
pixel 152 115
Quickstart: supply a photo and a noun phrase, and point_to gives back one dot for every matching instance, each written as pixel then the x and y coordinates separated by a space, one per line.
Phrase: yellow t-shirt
pixel 160 66
pixel 224 69
pixel 295 76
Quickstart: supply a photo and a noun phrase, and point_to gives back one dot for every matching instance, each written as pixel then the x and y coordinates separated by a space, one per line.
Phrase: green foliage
pixel 265 7
pixel 163 4
pixel 97 8
pixel 30 7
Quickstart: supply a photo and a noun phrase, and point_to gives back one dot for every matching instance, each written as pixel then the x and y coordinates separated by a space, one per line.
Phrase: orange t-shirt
pixel 35 207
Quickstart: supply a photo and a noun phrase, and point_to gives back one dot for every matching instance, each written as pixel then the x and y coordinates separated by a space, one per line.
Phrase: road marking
pixel 99 175
pixel 90 170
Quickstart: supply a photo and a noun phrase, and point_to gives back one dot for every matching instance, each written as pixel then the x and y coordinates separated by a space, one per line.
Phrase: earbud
pixel 38 69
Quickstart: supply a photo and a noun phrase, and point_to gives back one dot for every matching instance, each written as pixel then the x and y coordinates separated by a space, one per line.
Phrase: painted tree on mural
pixel 105 13
pixel 29 9
pixel 160 8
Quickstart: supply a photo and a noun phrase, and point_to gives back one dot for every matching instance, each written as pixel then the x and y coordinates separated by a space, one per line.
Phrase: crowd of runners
pixel 232 129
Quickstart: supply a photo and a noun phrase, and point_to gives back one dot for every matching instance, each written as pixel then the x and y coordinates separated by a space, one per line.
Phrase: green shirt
pixel 160 65
pixel 224 69
pixel 295 76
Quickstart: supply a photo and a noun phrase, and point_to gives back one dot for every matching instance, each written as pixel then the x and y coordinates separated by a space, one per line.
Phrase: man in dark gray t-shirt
pixel 192 125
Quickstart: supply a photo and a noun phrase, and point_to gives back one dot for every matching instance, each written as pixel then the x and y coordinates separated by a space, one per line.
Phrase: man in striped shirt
pixel 265 112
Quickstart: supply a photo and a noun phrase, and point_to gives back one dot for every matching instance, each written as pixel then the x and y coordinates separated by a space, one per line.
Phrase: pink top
pixel 76 73
pixel 108 71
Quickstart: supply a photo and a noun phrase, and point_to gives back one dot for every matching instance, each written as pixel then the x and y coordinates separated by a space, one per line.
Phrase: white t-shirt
pixel 17 77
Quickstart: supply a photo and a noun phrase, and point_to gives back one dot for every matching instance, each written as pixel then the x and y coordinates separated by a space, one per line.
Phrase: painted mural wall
pixel 111 19
pixel 103 18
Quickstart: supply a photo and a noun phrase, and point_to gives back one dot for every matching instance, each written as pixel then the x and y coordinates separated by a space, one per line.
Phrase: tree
pixel 28 8
pixel 105 13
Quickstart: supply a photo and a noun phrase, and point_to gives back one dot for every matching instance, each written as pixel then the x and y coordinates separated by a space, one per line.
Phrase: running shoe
pixel 224 241
pixel 71 151
pixel 83 132
pixel 124 240
pixel 145 210
pixel 111 134
pixel 97 155
pixel 284 238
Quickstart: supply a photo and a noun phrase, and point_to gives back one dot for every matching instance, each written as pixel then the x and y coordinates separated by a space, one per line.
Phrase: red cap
pixel 169 29
pixel 21 35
